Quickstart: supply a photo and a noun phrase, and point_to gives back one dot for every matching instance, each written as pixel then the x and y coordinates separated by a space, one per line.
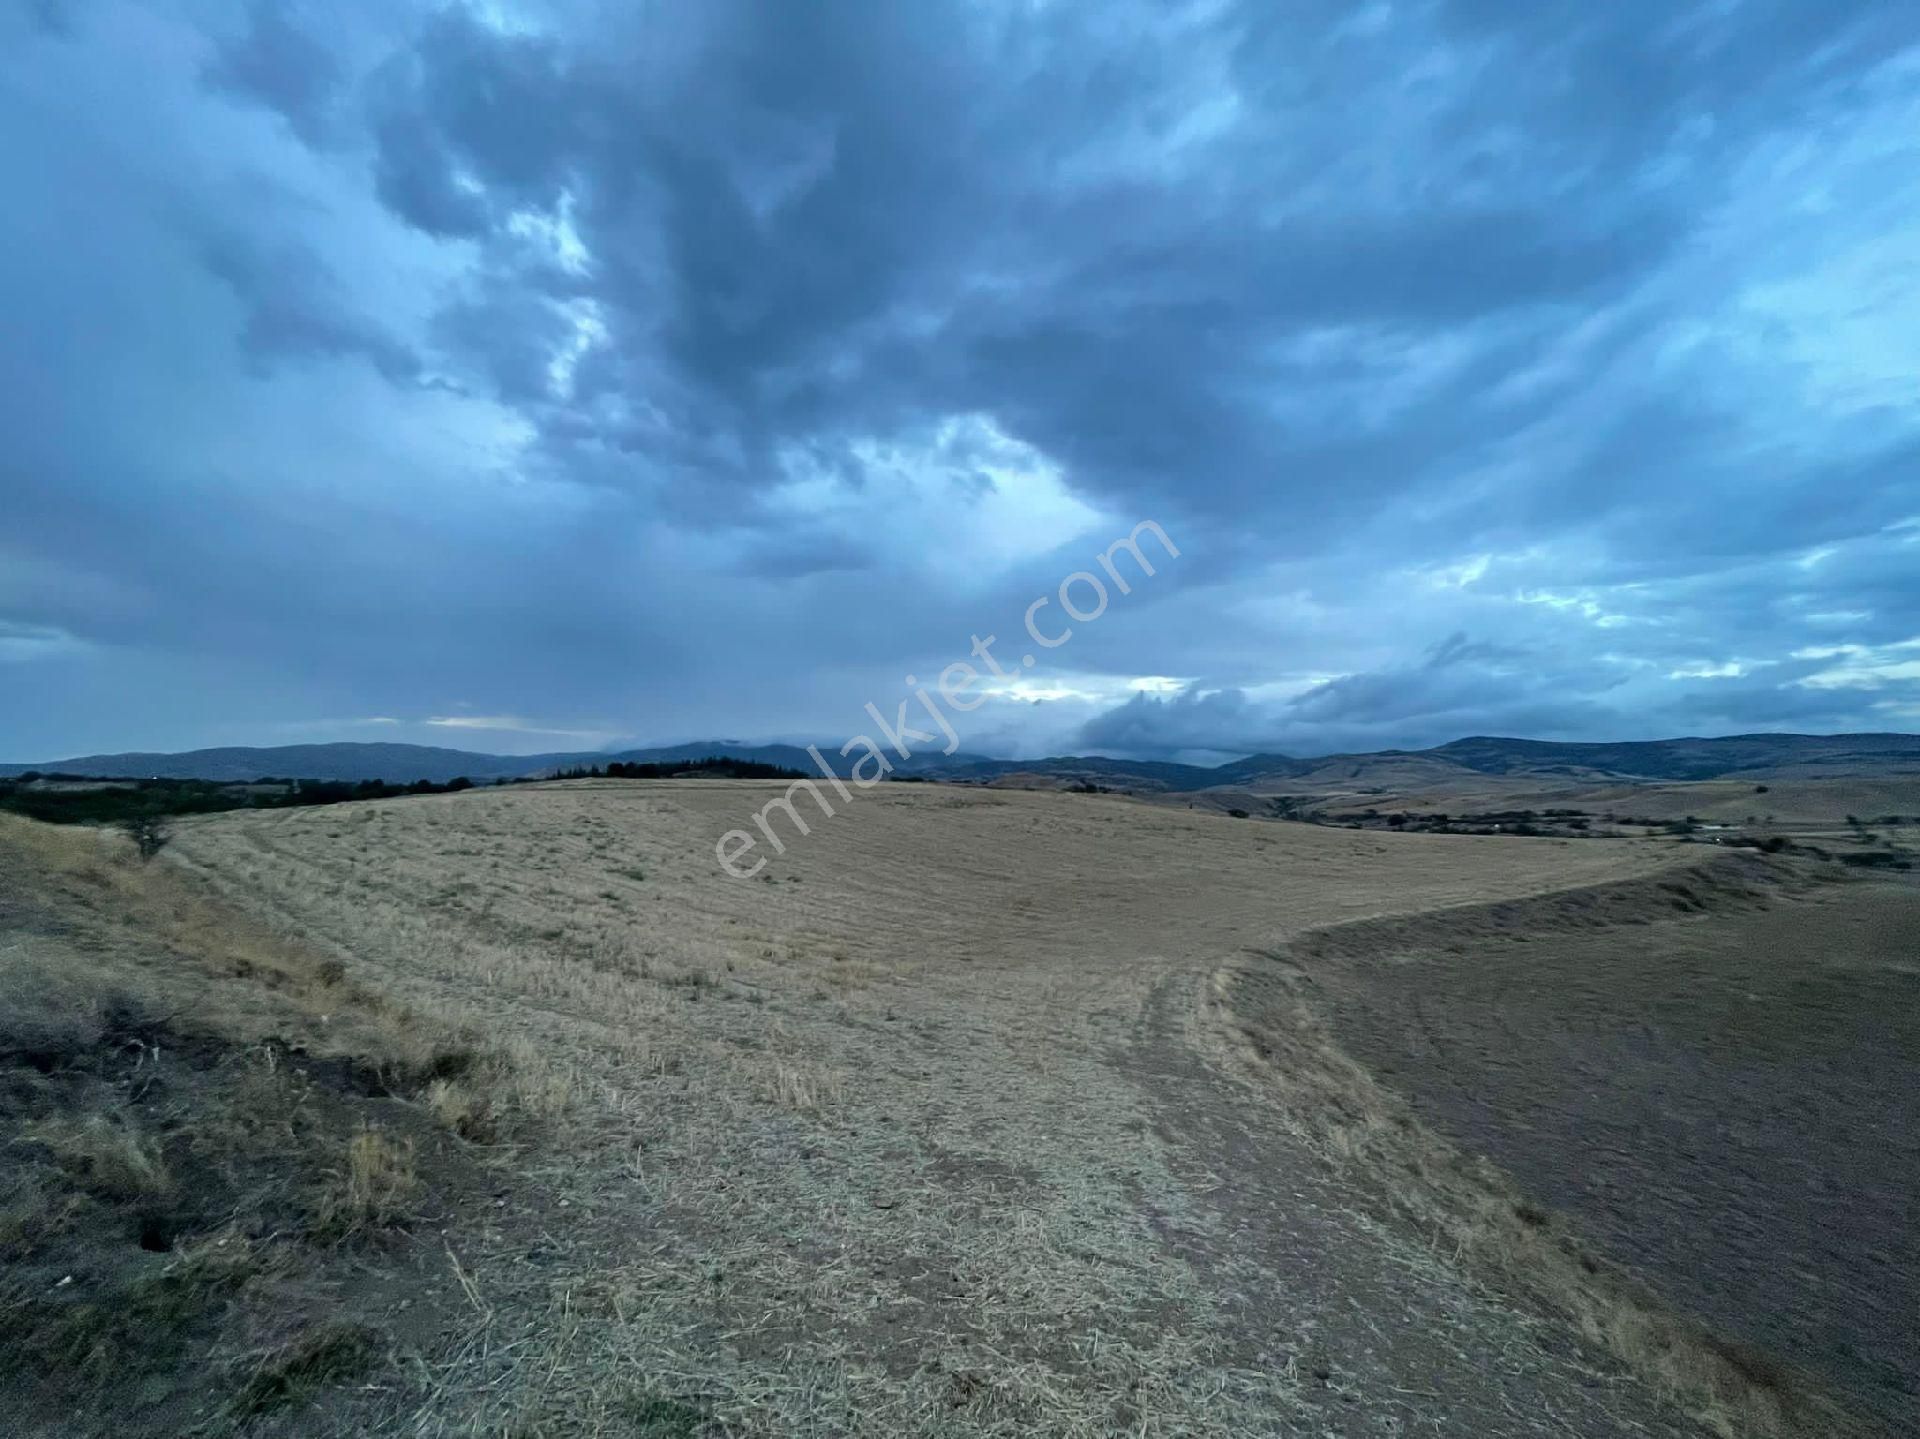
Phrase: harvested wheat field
pixel 976 1112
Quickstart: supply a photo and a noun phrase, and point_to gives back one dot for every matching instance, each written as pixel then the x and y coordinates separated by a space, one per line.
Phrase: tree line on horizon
pixel 90 799
pixel 714 766
pixel 61 798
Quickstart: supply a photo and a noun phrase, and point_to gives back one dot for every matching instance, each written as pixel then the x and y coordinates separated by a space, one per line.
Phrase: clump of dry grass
pixel 802 1088
pixel 457 1106
pixel 108 1154
pixel 485 1093
pixel 375 1187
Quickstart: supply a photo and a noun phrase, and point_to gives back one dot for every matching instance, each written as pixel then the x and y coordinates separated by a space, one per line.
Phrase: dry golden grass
pixel 96 872
pixel 799 1087
pixel 941 1126
pixel 106 1153
pixel 375 1186
pixel 171 1079
pixel 186 944
pixel 875 1143
pixel 458 1106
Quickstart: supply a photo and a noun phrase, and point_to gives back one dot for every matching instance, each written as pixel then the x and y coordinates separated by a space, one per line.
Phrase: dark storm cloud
pixel 277 63
pixel 1453 677
pixel 1461 686
pixel 838 221
pixel 606 354
pixel 469 124
pixel 294 308
pixel 794 556
pixel 844 219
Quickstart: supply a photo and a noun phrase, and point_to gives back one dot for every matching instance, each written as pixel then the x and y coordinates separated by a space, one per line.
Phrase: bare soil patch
pixel 1715 1083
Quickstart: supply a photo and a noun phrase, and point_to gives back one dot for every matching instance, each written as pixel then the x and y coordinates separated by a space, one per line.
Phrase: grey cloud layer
pixel 538 361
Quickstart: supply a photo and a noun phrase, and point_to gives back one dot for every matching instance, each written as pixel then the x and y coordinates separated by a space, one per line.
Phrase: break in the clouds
pixel 513 373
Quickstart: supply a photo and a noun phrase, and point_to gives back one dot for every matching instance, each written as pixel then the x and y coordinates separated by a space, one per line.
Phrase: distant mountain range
pixel 1751 756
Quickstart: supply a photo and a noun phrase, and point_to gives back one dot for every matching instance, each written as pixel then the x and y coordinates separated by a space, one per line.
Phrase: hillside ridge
pixel 1684 758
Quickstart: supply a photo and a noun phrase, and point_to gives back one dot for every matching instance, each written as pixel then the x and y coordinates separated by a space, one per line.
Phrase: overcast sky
pixel 526 376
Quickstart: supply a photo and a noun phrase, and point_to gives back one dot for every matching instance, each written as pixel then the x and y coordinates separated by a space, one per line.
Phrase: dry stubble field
pixel 976 1113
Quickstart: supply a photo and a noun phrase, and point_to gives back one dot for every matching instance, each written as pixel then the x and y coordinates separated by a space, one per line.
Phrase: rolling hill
pixel 1752 756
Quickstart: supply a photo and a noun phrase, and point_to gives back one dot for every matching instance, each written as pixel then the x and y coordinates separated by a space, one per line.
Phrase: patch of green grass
pixel 656 1416
pixel 313 1358
pixel 141 1324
